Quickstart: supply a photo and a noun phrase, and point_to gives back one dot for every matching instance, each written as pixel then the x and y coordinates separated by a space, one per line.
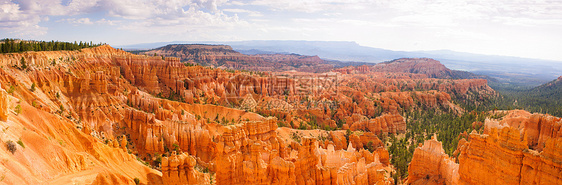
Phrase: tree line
pixel 544 99
pixel 13 45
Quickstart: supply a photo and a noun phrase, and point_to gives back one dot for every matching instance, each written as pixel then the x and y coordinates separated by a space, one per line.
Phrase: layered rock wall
pixel 501 155
pixel 495 158
pixel 430 165
pixel 180 169
pixel 4 110
pixel 387 123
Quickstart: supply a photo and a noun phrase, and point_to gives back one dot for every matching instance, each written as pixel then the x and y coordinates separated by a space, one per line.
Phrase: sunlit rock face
pixel 430 165
pixel 4 110
pixel 519 148
pixel 94 115
pixel 99 113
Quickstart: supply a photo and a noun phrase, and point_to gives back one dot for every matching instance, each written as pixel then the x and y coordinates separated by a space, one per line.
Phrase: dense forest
pixel 545 99
pixel 14 45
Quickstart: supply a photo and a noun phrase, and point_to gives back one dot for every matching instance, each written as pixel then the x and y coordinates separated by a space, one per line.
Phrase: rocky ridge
pixel 223 56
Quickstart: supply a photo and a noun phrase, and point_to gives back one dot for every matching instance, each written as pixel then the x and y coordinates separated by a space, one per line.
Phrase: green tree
pixel 23 64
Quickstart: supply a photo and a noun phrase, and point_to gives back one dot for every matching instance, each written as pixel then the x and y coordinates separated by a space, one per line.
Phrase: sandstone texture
pixel 94 116
pixel 430 165
pixel 506 153
pixel 4 110
pixel 432 68
pixel 387 123
pixel 106 116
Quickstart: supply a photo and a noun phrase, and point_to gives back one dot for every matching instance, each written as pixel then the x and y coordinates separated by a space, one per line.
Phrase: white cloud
pixel 249 12
pixel 424 11
pixel 78 21
pixel 106 22
pixel 312 6
pixel 382 23
pixel 145 14
pixel 18 22
pixel 87 21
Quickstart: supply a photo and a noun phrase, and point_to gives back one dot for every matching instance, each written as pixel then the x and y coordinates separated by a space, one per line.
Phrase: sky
pixel 522 28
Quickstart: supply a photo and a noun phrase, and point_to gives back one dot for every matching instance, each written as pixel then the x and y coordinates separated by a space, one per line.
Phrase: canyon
pixel 105 116
pixel 94 116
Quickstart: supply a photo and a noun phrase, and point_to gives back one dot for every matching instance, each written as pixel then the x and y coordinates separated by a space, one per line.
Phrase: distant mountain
pixel 223 56
pixel 149 46
pixel 507 70
pixel 430 67
pixel 336 50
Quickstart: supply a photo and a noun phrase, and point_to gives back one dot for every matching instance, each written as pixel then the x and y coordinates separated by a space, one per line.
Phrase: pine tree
pixel 22 63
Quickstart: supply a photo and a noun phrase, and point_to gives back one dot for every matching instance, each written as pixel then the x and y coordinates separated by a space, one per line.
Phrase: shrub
pixel 11 146
pixel 21 143
pixel 158 160
pixel 32 87
pixel 12 89
pixel 176 147
pixel 18 109
pixel 137 180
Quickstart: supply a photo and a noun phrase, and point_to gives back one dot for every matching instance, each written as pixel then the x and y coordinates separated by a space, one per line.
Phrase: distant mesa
pixel 427 67
pixel 223 56
pixel 432 68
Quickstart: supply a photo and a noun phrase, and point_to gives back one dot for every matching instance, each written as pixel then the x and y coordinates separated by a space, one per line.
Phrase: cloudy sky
pixel 525 28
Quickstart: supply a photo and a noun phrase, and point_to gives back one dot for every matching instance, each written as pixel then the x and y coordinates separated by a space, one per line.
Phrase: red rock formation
pixel 537 127
pixel 502 155
pixel 430 165
pixel 507 146
pixel 3 105
pixel 180 169
pixel 480 158
pixel 108 93
pixel 430 67
pixel 281 171
pixel 386 123
pixel 543 167
pixel 223 56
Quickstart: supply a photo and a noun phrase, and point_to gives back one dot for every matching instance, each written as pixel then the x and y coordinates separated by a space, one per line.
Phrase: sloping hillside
pixel 546 98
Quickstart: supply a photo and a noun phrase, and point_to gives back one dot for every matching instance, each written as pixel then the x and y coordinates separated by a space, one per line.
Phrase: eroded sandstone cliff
pixel 93 116
pixel 103 112
pixel 506 153
pixel 430 165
